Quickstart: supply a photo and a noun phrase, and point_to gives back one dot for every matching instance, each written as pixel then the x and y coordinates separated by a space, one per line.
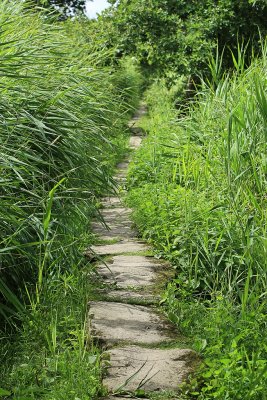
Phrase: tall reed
pixel 62 114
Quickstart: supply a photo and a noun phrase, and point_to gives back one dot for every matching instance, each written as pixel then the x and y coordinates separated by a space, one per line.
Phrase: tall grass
pixel 63 128
pixel 212 163
pixel 199 188
pixel 61 116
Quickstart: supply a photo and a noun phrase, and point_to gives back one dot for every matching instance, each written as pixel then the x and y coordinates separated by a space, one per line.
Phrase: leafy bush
pixel 173 38
pixel 198 188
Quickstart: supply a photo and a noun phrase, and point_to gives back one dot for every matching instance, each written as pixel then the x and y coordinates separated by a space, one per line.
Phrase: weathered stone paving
pixel 116 224
pixel 123 247
pixel 152 370
pixel 119 322
pixel 130 271
pixel 111 202
pixel 120 398
pixel 134 333
pixel 135 142
pixel 130 296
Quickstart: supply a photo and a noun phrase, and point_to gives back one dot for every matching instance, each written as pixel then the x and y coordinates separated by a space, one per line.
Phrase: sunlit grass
pixel 63 117
pixel 198 185
pixel 61 121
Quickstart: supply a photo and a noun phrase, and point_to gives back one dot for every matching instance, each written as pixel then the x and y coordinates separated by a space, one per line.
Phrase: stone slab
pixel 131 295
pixel 111 202
pixel 122 398
pixel 150 369
pixel 135 142
pixel 122 166
pixel 112 231
pixel 139 114
pixel 116 213
pixel 122 247
pixel 121 178
pixel 121 175
pixel 119 322
pixel 117 224
pixel 134 271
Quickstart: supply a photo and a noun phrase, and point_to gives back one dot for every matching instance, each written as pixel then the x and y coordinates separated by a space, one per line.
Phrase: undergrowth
pixel 197 185
pixel 50 356
pixel 63 129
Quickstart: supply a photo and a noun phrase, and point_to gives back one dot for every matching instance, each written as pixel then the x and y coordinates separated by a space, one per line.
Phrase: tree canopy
pixel 179 35
pixel 66 7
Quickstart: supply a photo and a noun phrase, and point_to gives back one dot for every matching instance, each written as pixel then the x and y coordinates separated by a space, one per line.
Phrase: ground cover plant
pixel 62 130
pixel 198 188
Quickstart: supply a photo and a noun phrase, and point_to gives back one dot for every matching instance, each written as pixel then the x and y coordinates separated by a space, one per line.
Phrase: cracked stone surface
pixel 150 369
pixel 135 142
pixel 131 295
pixel 114 230
pixel 123 165
pixel 121 174
pixel 116 213
pixel 139 114
pixel 123 246
pixel 121 398
pixel 120 178
pixel 120 322
pixel 111 202
pixel 117 224
pixel 134 271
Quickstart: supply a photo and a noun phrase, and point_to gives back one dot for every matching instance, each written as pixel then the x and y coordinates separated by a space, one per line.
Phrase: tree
pixel 65 7
pixel 180 35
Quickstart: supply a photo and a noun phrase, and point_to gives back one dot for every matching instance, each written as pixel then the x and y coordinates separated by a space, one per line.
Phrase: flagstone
pixel 135 142
pixel 124 246
pixel 130 271
pixel 133 367
pixel 113 322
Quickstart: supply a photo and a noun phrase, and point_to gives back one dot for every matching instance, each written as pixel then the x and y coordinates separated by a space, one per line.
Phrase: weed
pixel 198 189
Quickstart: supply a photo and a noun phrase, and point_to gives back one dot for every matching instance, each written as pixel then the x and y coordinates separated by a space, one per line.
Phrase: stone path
pixel 137 338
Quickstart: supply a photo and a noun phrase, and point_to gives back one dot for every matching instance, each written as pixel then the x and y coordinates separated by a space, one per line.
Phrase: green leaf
pixel 4 392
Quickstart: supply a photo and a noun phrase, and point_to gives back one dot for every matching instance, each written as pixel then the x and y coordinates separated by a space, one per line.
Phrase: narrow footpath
pixel 127 323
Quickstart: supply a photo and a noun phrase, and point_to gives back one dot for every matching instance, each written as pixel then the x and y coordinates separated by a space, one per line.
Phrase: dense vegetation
pixel 64 7
pixel 175 38
pixel 197 184
pixel 63 118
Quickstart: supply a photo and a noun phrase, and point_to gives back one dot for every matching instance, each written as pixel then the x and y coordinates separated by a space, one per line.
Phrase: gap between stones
pixel 136 337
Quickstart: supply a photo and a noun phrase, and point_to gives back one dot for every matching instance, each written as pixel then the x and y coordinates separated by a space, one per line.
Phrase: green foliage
pixel 59 123
pixel 63 129
pixel 233 344
pixel 64 7
pixel 51 356
pixel 203 178
pixel 198 188
pixel 177 37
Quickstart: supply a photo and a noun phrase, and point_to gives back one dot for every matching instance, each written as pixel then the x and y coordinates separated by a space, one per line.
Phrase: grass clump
pixel 51 356
pixel 63 128
pixel 59 123
pixel 197 185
